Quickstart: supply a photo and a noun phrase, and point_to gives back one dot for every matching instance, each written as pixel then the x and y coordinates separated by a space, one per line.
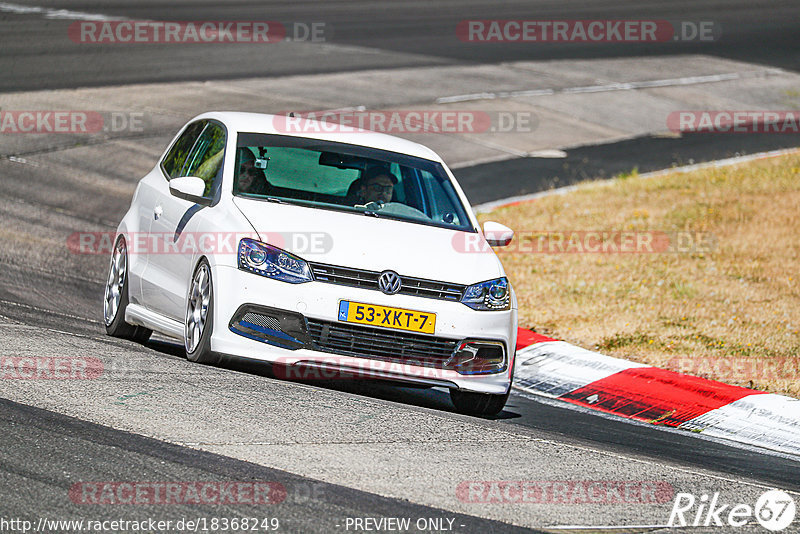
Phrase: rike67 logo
pixel 774 510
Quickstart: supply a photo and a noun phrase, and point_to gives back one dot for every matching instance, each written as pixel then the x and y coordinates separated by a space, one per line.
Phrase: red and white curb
pixel 559 370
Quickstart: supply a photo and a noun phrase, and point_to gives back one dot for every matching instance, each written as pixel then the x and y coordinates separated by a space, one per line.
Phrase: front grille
pixel 344 276
pixel 420 287
pixel 378 344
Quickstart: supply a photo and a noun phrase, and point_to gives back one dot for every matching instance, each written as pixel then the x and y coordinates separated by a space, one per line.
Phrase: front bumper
pixel 318 304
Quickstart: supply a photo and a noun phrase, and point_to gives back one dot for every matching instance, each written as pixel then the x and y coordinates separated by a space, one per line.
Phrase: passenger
pixel 250 179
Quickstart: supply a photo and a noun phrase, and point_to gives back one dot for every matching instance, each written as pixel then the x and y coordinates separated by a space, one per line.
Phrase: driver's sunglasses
pixel 378 188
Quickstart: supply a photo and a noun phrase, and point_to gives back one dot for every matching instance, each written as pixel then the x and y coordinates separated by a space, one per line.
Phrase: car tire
pixel 480 404
pixel 198 324
pixel 115 298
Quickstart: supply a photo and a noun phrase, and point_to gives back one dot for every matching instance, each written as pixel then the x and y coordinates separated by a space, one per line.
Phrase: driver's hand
pixel 372 206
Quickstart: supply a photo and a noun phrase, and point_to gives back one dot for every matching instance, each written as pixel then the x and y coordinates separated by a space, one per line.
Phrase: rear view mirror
pixel 341 161
pixel 496 234
pixel 189 188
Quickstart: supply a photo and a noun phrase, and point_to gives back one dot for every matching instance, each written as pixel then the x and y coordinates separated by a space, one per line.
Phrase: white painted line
pixel 493 96
pixel 667 82
pixel 508 152
pixel 764 420
pixel 550 153
pixel 481 161
pixel 19 9
pixel 493 205
pixel 15 159
pixel 50 13
pixel 617 86
pixel 555 368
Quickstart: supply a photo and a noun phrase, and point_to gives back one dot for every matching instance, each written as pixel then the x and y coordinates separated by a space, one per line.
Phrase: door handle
pixel 158 212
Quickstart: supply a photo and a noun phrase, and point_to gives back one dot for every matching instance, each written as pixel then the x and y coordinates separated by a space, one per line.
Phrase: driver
pixel 377 185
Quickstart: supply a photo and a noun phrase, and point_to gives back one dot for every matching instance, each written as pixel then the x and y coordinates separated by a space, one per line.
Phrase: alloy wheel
pixel 116 282
pixel 197 308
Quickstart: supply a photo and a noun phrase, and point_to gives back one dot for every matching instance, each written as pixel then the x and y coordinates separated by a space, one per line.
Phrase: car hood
pixel 365 242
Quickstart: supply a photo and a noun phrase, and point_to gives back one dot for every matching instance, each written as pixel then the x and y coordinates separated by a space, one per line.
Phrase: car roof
pixel 271 124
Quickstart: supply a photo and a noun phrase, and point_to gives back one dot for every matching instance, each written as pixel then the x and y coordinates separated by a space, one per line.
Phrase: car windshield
pixel 338 176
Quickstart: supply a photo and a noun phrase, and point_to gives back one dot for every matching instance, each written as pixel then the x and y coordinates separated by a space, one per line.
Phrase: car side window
pixel 442 198
pixel 176 157
pixel 205 159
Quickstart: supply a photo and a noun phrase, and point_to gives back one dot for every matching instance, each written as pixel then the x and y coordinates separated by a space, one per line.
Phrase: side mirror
pixel 189 188
pixel 496 234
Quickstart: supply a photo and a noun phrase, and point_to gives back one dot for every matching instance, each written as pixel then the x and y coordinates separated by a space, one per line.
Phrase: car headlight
pixel 272 262
pixel 489 295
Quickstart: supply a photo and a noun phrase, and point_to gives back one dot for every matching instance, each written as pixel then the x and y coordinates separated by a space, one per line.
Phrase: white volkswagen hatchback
pixel 352 252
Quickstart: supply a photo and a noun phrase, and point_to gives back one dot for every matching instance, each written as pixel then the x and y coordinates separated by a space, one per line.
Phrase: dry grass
pixel 732 314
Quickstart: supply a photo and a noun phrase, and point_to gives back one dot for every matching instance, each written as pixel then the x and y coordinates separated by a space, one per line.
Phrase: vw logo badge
pixel 389 282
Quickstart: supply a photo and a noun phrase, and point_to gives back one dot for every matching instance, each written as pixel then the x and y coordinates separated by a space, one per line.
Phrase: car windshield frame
pixel 412 167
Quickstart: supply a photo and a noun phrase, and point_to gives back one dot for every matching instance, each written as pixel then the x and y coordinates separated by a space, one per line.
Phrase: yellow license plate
pixel 397 318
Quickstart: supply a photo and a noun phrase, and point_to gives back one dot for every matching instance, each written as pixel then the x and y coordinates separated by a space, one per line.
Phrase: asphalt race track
pixel 110 454
pixel 345 449
pixel 407 33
